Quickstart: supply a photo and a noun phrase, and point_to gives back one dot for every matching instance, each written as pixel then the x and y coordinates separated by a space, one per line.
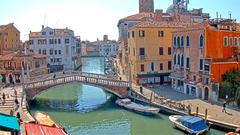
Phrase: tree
pixel 237 96
pixel 231 85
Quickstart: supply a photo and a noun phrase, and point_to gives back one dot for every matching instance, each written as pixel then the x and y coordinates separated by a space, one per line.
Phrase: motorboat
pixel 139 108
pixel 191 124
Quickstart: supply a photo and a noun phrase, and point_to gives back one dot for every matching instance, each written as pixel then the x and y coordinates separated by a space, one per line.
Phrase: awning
pixel 38 129
pixel 9 123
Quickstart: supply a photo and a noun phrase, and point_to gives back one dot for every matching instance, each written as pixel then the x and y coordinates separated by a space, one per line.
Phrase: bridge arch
pixel 114 86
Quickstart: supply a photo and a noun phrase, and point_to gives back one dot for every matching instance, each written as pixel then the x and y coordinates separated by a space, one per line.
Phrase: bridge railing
pixel 70 72
pixel 98 80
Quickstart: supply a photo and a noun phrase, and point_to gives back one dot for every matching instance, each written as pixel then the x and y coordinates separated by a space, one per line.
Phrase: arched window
pixel 182 41
pixel 201 41
pixel 178 42
pixel 182 62
pixel 152 66
pixel 188 41
pixel 175 59
pixel 178 59
pixel 175 42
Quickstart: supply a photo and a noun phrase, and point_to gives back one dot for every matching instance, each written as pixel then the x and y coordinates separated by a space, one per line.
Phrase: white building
pixel 60 45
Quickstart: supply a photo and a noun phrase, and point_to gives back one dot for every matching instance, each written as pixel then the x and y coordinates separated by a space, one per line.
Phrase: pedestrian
pixel 3 96
pixel 15 92
pixel 224 107
pixel 11 112
pixel 54 76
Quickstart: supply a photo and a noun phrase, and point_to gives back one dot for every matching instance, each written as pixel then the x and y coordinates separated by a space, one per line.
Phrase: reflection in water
pixel 78 118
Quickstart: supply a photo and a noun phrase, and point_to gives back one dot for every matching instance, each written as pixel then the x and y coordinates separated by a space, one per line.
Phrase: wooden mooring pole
pixel 206 113
pixel 197 111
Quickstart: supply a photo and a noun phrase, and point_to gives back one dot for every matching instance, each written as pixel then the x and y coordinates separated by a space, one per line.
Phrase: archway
pixel 10 78
pixel 206 93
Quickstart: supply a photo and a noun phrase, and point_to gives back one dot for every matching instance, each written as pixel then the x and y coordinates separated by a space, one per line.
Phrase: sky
pixel 91 19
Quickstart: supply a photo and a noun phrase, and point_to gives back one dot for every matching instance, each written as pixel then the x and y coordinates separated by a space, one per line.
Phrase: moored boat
pixel 44 119
pixel 139 108
pixel 232 133
pixel 191 124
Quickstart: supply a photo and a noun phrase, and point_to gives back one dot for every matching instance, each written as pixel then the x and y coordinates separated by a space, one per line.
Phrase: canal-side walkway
pixel 163 95
pixel 11 94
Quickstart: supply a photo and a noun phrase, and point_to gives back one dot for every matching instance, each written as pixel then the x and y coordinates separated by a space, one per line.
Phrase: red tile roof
pixel 161 24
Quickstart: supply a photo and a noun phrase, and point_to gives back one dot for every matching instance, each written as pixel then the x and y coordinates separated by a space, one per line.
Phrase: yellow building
pixel 150 51
pixel 9 37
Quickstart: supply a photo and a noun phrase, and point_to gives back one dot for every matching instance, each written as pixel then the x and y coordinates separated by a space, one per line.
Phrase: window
pixel 132 34
pixel 169 51
pixel 175 59
pixel 51 60
pixel 175 42
pixel 182 41
pixel 55 41
pixel 235 41
pixel 59 41
pixel 39 51
pixel 141 33
pixel 51 41
pixel 207 81
pixel 169 65
pixel 152 66
pixel 44 52
pixel 178 59
pixel 55 52
pixel 238 41
pixel 178 42
pixel 226 41
pixel 188 41
pixel 161 66
pixel 161 51
pixel 182 61
pixel 51 33
pixel 201 64
pixel 51 52
pixel 188 63
pixel 201 41
pixel 142 67
pixel 43 33
pixel 142 51
pixel 67 41
pixel 207 67
pixel 59 52
pixel 160 33
pixel 231 42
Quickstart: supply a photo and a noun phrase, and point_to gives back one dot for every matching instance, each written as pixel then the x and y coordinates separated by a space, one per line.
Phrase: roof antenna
pixel 230 15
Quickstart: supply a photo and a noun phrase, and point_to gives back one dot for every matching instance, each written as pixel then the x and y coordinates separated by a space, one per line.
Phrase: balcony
pixel 142 57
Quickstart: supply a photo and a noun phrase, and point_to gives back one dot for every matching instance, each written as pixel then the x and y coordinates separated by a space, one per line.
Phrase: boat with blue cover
pixel 139 108
pixel 191 124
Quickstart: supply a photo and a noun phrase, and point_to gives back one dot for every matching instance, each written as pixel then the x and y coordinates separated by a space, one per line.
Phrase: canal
pixel 88 110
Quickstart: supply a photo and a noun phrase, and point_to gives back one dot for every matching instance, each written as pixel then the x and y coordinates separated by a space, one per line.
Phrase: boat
pixel 191 124
pixel 139 108
pixel 232 133
pixel 45 119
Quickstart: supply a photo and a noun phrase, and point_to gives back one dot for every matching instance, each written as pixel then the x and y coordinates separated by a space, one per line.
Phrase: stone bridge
pixel 109 83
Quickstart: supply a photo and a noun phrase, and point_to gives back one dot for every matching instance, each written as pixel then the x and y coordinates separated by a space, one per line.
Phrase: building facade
pixel 9 37
pixel 150 52
pixel 202 54
pixel 60 45
pixel 14 66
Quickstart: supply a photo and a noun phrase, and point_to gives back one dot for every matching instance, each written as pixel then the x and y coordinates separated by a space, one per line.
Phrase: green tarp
pixel 9 123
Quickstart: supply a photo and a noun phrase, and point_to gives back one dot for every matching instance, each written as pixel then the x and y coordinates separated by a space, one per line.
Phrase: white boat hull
pixel 178 125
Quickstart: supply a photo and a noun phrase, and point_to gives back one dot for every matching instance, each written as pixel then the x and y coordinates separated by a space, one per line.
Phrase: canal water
pixel 88 110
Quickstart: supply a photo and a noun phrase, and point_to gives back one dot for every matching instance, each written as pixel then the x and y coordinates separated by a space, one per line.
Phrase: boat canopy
pixel 38 129
pixel 9 123
pixel 194 123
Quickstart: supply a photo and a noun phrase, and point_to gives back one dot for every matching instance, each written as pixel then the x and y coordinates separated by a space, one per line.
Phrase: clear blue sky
pixel 91 18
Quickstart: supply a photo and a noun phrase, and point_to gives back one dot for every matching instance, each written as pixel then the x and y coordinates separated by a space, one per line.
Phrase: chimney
pixel 105 37
pixel 42 27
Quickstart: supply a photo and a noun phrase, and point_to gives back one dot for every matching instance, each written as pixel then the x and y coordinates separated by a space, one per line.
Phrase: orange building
pixel 202 54
pixel 9 37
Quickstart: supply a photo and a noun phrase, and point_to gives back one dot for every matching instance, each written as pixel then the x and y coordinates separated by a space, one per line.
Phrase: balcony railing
pixel 142 57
